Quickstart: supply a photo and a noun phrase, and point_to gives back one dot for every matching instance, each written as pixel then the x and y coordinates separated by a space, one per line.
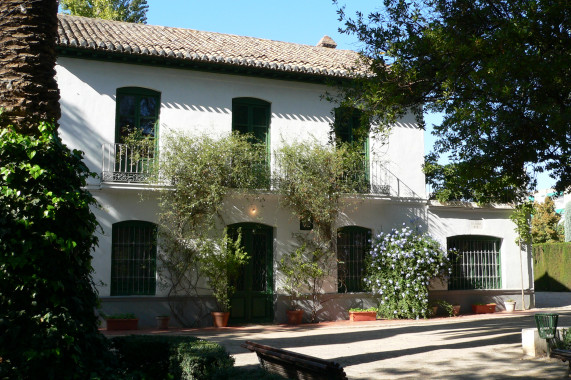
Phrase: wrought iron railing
pixel 126 163
pixel 132 164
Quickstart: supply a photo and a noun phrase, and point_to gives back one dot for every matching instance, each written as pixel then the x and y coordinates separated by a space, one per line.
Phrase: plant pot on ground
pixel 291 266
pixel 484 308
pixel 162 322
pixel 451 310
pixel 221 260
pixel 359 315
pixel 509 305
pixel 123 321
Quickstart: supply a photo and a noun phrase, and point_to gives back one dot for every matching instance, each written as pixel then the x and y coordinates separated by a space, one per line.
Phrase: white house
pixel 161 79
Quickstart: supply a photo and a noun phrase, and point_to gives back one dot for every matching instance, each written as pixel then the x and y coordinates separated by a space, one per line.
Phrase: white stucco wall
pixel 200 102
pixel 447 221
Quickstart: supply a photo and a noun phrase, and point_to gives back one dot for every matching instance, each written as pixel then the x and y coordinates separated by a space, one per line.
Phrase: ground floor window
pixel 476 263
pixel 352 244
pixel 133 258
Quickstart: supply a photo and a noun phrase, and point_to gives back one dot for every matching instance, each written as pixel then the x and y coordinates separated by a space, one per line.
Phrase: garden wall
pixel 551 263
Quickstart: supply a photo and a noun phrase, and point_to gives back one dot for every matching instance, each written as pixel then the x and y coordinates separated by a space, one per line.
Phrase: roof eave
pixel 199 65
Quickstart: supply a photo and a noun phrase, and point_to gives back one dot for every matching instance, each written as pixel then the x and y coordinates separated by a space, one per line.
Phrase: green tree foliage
pixel 221 261
pixel 118 10
pixel 48 328
pixel 544 222
pixel 304 271
pixel 520 217
pixel 312 177
pixel 498 71
pixel 567 222
pixel 200 171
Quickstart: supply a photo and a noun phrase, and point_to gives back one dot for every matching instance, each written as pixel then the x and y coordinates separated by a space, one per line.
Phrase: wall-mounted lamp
pixel 252 210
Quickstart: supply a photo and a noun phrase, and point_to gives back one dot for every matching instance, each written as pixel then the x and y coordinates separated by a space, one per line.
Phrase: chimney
pixel 327 42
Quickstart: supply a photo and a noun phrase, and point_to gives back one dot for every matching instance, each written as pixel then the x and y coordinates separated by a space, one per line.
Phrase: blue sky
pixel 303 22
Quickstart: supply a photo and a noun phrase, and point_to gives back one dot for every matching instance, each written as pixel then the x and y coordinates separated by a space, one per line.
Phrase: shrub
pixel 201 359
pixel 550 267
pixel 47 325
pixel 399 268
pixel 565 341
pixel 173 357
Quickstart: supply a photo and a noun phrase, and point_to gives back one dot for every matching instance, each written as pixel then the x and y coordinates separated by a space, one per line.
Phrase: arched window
pixel 137 108
pixel 133 258
pixel 352 244
pixel 476 263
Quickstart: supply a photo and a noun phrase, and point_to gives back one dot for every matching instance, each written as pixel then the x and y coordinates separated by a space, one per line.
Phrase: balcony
pixel 125 164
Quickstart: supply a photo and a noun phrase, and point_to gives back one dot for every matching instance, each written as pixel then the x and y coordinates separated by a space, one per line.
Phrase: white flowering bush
pixel 399 268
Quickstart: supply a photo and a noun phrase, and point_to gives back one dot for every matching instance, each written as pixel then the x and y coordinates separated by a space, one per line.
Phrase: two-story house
pixel 160 79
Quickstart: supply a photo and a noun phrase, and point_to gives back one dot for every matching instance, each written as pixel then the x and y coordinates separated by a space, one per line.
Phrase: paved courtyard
pixel 485 346
pixel 466 347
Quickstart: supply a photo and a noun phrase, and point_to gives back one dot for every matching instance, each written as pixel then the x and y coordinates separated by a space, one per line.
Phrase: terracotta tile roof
pixel 202 47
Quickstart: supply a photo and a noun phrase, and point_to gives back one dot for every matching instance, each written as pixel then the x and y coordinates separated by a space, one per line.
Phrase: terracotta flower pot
pixel 456 310
pixel 122 324
pixel 359 316
pixel 220 318
pixel 163 322
pixel 483 309
pixel 294 317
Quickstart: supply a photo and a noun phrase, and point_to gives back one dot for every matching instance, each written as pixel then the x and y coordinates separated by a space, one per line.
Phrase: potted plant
pixel 304 269
pixel 221 261
pixel 509 305
pixel 121 321
pixel 451 310
pixel 162 322
pixel 433 308
pixel 483 308
pixel 291 265
pixel 358 315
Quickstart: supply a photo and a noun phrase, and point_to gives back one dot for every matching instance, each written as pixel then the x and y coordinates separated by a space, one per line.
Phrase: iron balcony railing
pixel 126 163
pixel 131 164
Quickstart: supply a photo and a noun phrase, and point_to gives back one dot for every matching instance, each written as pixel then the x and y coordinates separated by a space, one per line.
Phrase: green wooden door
pixel 253 300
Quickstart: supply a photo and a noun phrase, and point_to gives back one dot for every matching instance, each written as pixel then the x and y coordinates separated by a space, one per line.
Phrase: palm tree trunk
pixel 28 89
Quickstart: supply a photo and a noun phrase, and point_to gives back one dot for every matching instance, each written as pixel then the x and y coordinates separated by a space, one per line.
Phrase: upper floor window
pixel 476 263
pixel 133 258
pixel 352 244
pixel 137 108
pixel 250 115
pixel 351 127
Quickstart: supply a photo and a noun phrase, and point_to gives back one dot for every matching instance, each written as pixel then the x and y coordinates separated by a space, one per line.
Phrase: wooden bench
pixel 295 366
pixel 564 355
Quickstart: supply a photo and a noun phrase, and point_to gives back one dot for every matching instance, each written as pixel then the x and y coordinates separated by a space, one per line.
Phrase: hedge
pixel 551 266
pixel 169 357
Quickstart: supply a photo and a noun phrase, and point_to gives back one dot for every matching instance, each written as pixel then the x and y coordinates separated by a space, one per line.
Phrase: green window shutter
pixel 251 115
pixel 133 258
pixel 137 108
pixel 351 127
